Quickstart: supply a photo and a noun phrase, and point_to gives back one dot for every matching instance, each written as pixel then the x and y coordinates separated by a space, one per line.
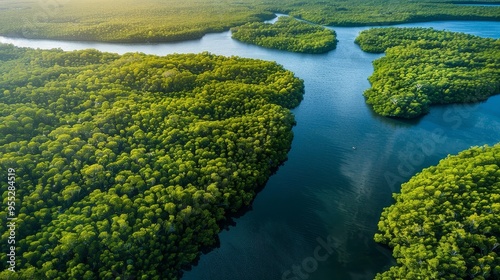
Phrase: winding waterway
pixel 343 166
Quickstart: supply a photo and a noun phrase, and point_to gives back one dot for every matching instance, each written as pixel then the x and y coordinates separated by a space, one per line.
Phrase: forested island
pixel 287 34
pixel 425 66
pixel 172 20
pixel 445 223
pixel 129 164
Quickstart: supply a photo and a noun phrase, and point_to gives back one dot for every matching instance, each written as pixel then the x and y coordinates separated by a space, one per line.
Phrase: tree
pixel 443 225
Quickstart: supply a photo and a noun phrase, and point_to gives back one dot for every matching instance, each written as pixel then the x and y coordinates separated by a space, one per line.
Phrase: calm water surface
pixel 343 166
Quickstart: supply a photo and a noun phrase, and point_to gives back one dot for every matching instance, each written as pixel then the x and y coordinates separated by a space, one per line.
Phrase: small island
pixel 423 66
pixel 445 223
pixel 287 34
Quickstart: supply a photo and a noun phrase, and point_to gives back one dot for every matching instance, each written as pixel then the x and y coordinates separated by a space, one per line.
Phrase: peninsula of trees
pixel 127 165
pixel 172 20
pixel 287 34
pixel 425 66
pixel 445 223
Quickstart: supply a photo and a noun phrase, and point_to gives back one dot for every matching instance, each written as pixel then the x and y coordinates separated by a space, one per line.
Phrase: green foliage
pixel 424 67
pixel 172 20
pixel 445 224
pixel 124 20
pixel 376 12
pixel 287 34
pixel 126 165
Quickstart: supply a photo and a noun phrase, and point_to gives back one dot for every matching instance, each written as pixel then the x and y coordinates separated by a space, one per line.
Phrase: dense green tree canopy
pixel 127 165
pixel 445 224
pixel 425 66
pixel 376 12
pixel 287 34
pixel 173 20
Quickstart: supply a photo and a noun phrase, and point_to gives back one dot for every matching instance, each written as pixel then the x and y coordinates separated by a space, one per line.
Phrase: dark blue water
pixel 316 217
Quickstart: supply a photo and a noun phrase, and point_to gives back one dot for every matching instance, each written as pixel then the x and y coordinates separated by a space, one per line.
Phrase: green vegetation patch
pixel 287 34
pixel 384 12
pixel 127 165
pixel 173 20
pixel 124 20
pixel 445 224
pixel 425 66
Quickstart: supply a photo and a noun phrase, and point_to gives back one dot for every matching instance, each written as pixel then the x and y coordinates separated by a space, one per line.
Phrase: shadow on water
pixel 396 122
pixel 229 222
